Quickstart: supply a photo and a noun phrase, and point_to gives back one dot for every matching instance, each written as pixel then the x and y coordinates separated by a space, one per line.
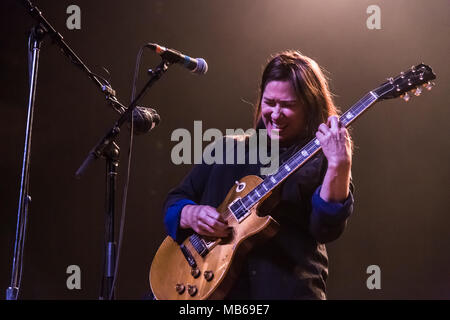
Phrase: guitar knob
pixel 209 275
pixel 195 273
pixel 192 290
pixel 180 288
pixel 429 85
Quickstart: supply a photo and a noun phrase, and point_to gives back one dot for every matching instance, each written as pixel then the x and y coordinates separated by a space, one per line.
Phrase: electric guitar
pixel 205 268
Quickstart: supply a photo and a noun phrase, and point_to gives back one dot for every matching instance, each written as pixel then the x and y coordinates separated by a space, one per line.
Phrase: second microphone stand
pixel 108 149
pixel 111 154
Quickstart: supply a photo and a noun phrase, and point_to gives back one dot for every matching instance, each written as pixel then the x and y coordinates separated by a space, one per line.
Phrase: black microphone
pixel 144 119
pixel 197 65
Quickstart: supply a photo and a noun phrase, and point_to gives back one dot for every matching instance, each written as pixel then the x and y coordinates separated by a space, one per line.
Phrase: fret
pixel 313 146
pixel 247 202
pixel 269 184
pixel 261 191
pixel 282 174
pixel 253 197
pixel 358 109
pixel 279 175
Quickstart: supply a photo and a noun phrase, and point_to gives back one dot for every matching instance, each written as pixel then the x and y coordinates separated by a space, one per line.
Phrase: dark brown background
pixel 401 161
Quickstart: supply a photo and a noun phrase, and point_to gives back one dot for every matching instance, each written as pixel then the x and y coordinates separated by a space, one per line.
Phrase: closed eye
pixel 289 104
pixel 270 103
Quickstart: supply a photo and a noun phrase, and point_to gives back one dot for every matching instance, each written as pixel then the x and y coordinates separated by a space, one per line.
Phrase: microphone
pixel 144 120
pixel 197 65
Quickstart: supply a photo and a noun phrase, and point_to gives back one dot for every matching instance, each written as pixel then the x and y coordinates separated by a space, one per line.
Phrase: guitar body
pixel 171 268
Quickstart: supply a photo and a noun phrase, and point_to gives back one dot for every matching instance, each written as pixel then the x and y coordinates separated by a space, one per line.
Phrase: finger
pixel 215 224
pixel 213 218
pixel 205 229
pixel 343 131
pixel 344 135
pixel 333 122
pixel 323 128
pixel 211 212
pixel 320 136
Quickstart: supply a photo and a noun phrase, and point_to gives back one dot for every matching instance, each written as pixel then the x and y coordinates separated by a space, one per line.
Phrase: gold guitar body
pixel 170 269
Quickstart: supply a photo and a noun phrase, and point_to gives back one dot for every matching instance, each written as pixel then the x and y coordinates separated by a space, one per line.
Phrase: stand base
pixel 12 293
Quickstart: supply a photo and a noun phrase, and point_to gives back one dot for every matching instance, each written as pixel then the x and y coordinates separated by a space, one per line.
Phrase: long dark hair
pixel 310 85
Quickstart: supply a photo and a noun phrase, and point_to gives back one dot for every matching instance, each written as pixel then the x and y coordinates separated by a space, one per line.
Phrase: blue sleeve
pixel 172 219
pixel 331 212
pixel 189 191
pixel 328 219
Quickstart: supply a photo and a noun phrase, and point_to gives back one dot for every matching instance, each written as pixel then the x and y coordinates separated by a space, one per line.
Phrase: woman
pixel 315 202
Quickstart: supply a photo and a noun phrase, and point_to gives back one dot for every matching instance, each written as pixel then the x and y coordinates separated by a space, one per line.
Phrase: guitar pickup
pixel 238 209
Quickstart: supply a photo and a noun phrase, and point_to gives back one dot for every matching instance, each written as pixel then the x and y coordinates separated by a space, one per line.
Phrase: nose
pixel 276 113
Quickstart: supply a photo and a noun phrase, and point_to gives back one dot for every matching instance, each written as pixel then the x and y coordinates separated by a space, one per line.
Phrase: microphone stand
pixel 104 149
pixel 42 28
pixel 37 33
pixel 111 154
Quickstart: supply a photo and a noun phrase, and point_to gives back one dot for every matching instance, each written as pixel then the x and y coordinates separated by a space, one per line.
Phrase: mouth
pixel 278 126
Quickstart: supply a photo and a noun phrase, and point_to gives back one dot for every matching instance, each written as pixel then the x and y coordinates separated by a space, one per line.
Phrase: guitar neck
pixel 304 154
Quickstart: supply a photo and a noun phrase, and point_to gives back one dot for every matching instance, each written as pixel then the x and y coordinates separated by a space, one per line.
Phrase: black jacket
pixel 294 263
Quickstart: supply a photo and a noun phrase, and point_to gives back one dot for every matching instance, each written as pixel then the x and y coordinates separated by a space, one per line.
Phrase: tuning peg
pixel 405 97
pixel 391 80
pixel 418 91
pixel 429 85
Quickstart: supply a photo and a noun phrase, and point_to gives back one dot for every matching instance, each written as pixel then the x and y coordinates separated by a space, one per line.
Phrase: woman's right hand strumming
pixel 204 220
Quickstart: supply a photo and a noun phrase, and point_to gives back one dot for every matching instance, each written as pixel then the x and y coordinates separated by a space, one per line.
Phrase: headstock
pixel 412 80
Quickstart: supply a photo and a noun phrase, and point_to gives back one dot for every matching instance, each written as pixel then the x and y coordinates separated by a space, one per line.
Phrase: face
pixel 281 112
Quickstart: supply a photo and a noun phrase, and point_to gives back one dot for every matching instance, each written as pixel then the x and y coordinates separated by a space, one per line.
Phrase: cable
pixel 125 190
